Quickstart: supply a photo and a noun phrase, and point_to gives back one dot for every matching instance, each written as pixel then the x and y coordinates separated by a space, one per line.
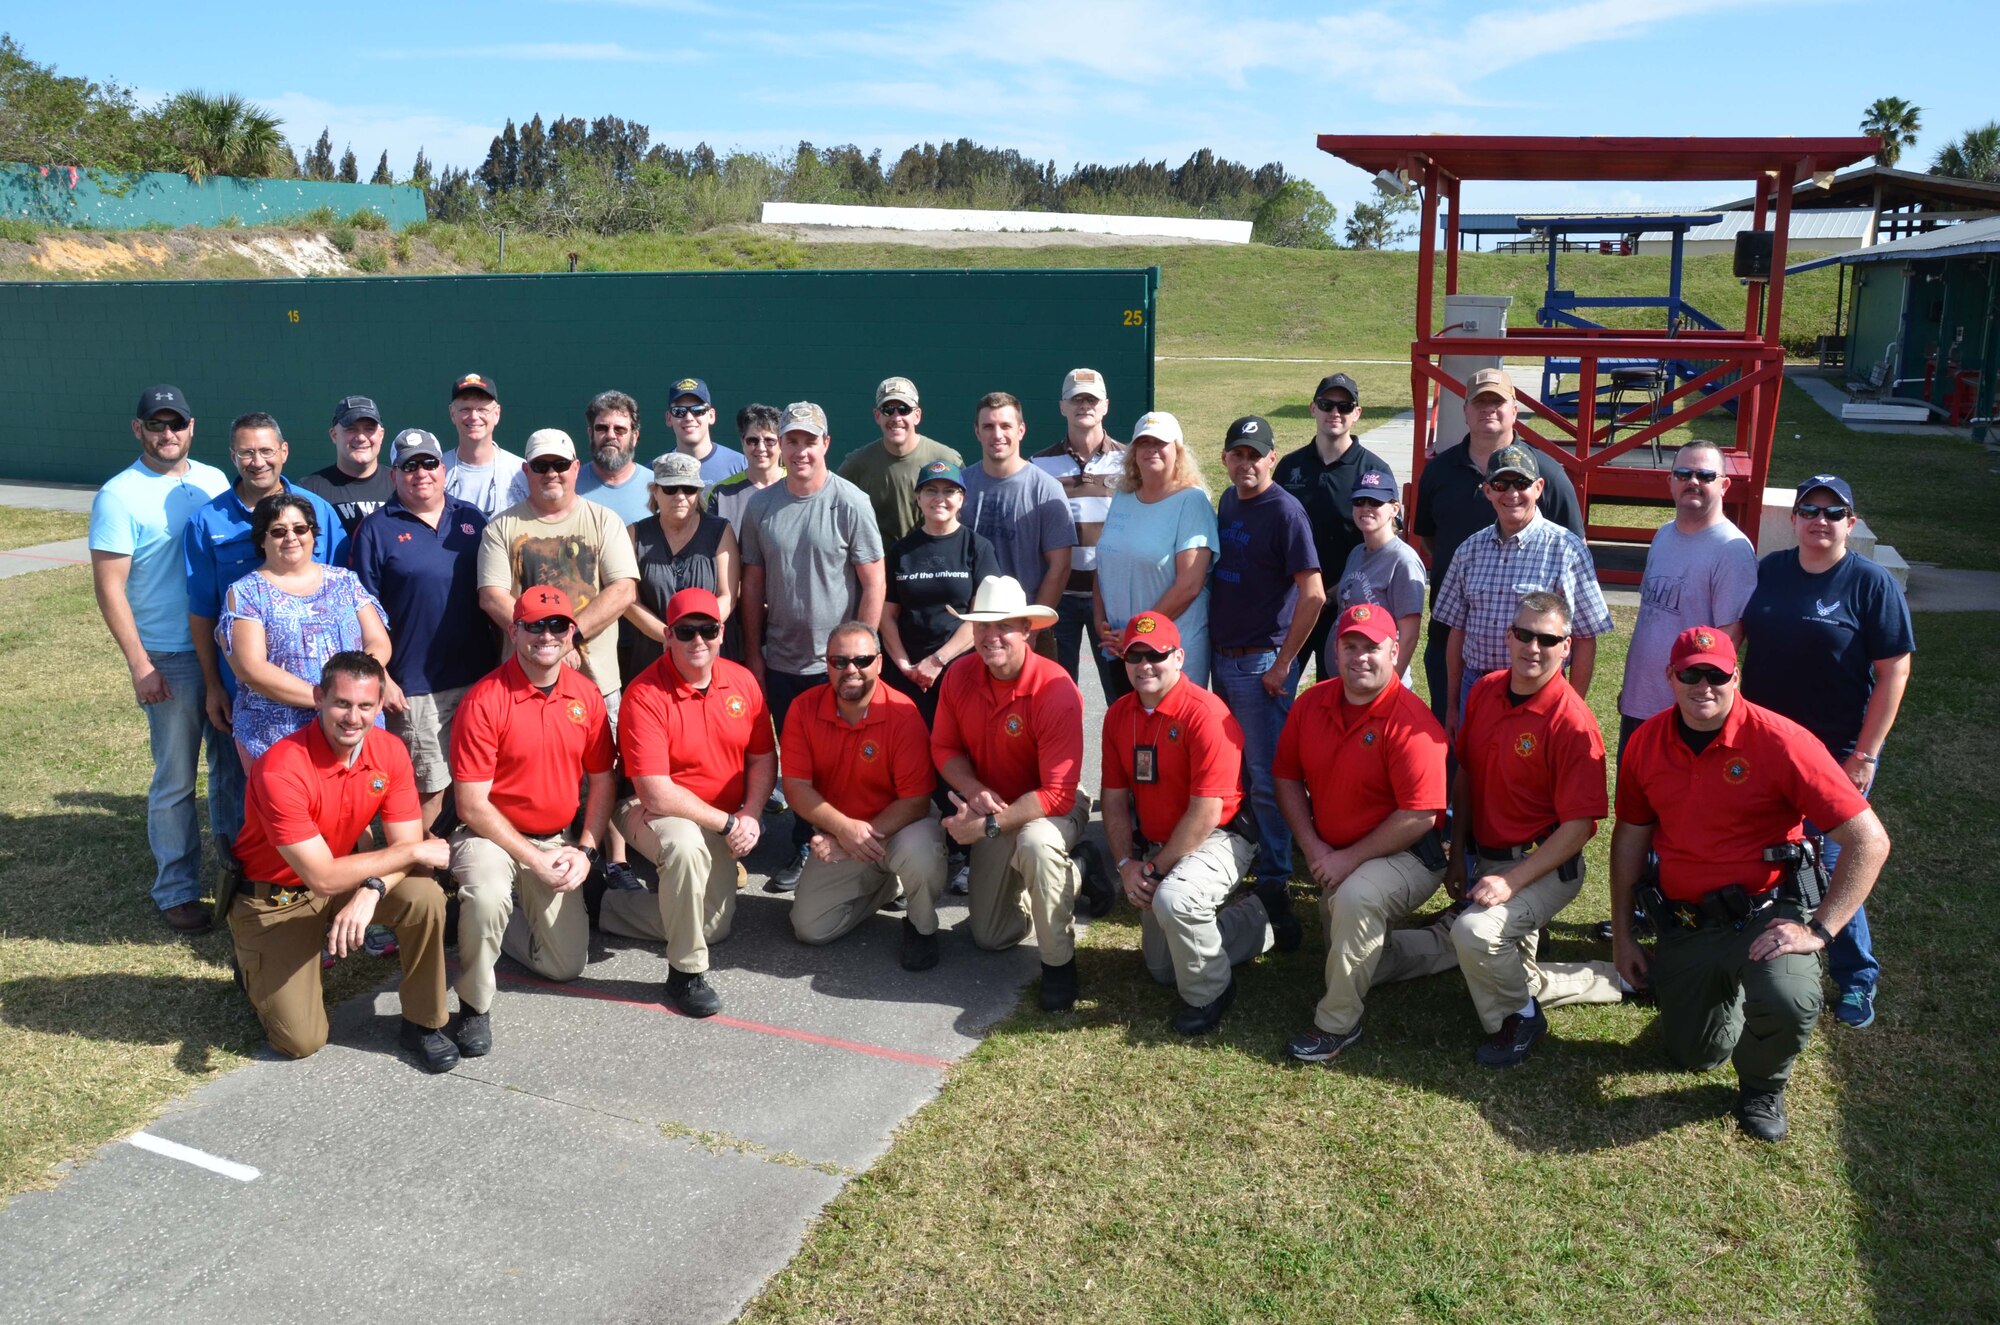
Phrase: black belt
pixel 1713 910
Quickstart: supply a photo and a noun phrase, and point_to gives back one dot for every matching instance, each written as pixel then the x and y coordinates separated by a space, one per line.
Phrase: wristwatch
pixel 589 853
pixel 992 826
pixel 376 886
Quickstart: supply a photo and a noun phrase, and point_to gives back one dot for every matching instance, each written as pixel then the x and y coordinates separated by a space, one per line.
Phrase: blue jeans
pixel 1072 631
pixel 1850 958
pixel 178 728
pixel 1240 682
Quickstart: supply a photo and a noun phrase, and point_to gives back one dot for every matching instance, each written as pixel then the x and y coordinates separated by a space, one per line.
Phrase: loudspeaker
pixel 1753 254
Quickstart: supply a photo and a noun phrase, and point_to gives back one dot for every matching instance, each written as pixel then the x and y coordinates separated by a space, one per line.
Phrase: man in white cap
pixel 1089 464
pixel 1009 741
pixel 886 469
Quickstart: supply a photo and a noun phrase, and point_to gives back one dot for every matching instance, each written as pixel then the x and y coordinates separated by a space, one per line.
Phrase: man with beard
pixel 611 479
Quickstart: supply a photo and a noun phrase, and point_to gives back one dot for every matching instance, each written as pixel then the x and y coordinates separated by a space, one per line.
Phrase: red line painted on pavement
pixel 760 1028
pixel 36 556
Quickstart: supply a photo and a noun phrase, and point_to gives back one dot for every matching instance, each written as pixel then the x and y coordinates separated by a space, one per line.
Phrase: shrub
pixel 367 218
pixel 343 238
pixel 374 260
pixel 19 231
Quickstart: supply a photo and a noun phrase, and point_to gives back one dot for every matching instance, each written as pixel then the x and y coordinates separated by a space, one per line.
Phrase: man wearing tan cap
pixel 886 469
pixel 1089 465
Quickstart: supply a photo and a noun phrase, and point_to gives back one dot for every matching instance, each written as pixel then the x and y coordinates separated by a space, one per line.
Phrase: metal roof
pixel 1806 226
pixel 1481 156
pixel 1970 239
pixel 1602 223
pixel 1898 188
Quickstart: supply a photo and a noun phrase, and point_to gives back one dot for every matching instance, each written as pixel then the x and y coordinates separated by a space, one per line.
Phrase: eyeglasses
pixel 1808 511
pixel 1139 655
pixel 1684 473
pixel 946 489
pixel 895 407
pixel 1329 405
pixel 860 662
pixel 759 440
pixel 1510 483
pixel 418 462
pixel 1710 676
pixel 551 464
pixel 1526 636
pixel 164 425
pixel 689 634
pixel 295 530
pixel 548 625
pixel 686 411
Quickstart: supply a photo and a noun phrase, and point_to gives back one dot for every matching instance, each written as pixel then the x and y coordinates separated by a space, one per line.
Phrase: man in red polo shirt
pixel 696 741
pixel 1008 739
pixel 857 765
pixel 525 738
pixel 1716 788
pixel 1360 780
pixel 1528 795
pixel 1173 756
pixel 306 888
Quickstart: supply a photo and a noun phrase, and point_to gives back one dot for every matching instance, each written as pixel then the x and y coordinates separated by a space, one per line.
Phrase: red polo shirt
pixel 1361 762
pixel 1197 751
pixel 698 738
pixel 1534 765
pixel 1716 811
pixel 303 788
pixel 533 748
pixel 1022 735
pixel 861 768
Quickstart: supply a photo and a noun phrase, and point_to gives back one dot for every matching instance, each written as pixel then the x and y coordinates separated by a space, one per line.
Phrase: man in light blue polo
pixel 136 522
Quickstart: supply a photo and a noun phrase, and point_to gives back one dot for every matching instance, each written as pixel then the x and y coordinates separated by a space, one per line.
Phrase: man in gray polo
pixel 886 469
pixel 1019 509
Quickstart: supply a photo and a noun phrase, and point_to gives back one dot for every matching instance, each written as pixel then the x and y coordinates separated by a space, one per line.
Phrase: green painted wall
pixel 1877 315
pixel 74 355
pixel 61 196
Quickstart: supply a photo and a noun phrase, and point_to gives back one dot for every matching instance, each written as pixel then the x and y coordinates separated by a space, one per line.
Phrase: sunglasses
pixel 418 462
pixel 1808 511
pixel 758 440
pixel 689 634
pixel 164 425
pixel 686 411
pixel 1139 655
pixel 548 625
pixel 1526 636
pixel 295 530
pixel 551 464
pixel 682 492
pixel 860 662
pixel 894 407
pixel 1711 676
pixel 1369 502
pixel 1510 483
pixel 1328 405
pixel 1684 473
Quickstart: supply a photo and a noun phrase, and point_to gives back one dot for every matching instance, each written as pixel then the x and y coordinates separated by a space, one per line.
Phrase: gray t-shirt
pixel 1702 579
pixel 1390 576
pixel 1023 516
pixel 808 547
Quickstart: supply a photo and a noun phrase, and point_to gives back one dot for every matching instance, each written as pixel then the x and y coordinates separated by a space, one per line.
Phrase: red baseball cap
pixel 1367 620
pixel 693 602
pixel 1155 630
pixel 1699 646
pixel 540 602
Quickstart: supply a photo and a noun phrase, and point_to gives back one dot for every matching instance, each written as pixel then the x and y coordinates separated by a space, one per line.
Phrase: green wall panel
pixel 59 195
pixel 75 355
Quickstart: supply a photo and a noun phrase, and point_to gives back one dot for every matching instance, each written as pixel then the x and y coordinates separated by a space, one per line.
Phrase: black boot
pixel 1059 986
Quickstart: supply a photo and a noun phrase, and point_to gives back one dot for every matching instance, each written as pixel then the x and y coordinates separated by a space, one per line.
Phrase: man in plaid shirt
pixel 1520 553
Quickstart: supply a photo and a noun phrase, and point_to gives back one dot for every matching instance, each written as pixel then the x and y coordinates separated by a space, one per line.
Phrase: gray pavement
pixel 44 556
pixel 47 496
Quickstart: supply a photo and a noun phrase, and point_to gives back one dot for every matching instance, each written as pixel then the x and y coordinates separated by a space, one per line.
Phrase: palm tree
pixel 1895 124
pixel 1974 156
pixel 204 135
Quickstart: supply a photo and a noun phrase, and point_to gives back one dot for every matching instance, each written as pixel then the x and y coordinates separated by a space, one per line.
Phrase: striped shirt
pixel 1483 587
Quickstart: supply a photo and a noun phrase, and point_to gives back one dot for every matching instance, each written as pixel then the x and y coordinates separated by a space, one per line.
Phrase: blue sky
pixel 1103 81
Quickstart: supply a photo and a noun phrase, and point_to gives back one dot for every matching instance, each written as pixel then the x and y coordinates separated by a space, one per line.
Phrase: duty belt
pixel 1729 907
pixel 276 894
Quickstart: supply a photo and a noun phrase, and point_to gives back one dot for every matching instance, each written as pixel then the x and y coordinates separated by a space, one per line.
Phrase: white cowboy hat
pixel 1001 598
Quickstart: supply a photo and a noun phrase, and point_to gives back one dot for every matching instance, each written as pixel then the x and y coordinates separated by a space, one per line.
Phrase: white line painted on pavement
pixel 201 1159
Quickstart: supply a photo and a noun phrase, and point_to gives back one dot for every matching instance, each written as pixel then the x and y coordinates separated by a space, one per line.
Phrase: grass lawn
pixel 24 527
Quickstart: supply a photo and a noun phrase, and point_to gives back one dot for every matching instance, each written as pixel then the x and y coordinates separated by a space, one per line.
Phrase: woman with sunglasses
pixel 282 621
pixel 1156 548
pixel 1829 642
pixel 682 547
pixel 1384 571
pixel 933 572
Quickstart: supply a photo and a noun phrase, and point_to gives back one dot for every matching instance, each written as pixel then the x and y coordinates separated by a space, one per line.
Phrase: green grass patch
pixel 26 527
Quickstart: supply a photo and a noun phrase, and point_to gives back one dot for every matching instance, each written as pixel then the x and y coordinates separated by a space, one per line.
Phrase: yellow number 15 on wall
pixel 291 315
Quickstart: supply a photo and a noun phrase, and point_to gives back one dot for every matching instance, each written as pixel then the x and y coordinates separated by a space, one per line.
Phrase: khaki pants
pixel 834 898
pixel 278 948
pixel 1496 951
pixel 549 933
pixel 1193 934
pixel 1024 880
pixel 696 904
pixel 1363 949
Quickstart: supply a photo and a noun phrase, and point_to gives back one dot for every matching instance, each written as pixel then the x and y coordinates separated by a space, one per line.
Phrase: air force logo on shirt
pixel 1826 609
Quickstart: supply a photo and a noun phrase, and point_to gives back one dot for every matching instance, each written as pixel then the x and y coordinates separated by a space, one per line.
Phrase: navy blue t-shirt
pixel 1813 641
pixel 1266 542
pixel 428 582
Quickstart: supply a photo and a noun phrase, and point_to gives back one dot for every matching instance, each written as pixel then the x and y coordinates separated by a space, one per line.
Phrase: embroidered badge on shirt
pixel 1736 770
pixel 377 784
pixel 575 710
pixel 1012 726
pixel 1524 744
pixel 734 706
pixel 869 751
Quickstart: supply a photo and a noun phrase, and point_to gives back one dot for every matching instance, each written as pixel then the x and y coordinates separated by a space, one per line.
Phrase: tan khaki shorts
pixel 425 727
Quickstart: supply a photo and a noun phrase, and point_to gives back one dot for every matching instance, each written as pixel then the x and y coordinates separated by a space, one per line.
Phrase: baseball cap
pixel 351 408
pixel 1155 630
pixel 1703 646
pixel 539 602
pixel 1494 380
pixel 1161 425
pixel 896 388
pixel 1252 431
pixel 941 471
pixel 156 398
pixel 689 386
pixel 1084 382
pixel 693 602
pixel 1514 458
pixel 1340 381
pixel 465 382
pixel 677 469
pixel 1831 482
pixel 550 441
pixel 802 416
pixel 413 441
pixel 1377 485
pixel 1367 620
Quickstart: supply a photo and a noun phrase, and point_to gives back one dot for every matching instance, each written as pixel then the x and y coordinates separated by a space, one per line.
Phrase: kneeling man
pixel 306 888
pixel 857 765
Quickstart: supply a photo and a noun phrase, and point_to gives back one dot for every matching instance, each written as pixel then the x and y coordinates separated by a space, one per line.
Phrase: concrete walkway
pixel 44 556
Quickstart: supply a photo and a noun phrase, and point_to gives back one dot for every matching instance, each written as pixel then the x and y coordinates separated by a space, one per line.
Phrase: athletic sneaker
pixel 1856 1009
pixel 1318 1046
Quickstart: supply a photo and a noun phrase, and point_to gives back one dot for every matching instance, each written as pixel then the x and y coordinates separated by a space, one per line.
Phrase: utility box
pixel 1482 315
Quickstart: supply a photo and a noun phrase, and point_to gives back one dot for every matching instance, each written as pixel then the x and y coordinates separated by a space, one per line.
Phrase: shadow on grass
pixel 120 1008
